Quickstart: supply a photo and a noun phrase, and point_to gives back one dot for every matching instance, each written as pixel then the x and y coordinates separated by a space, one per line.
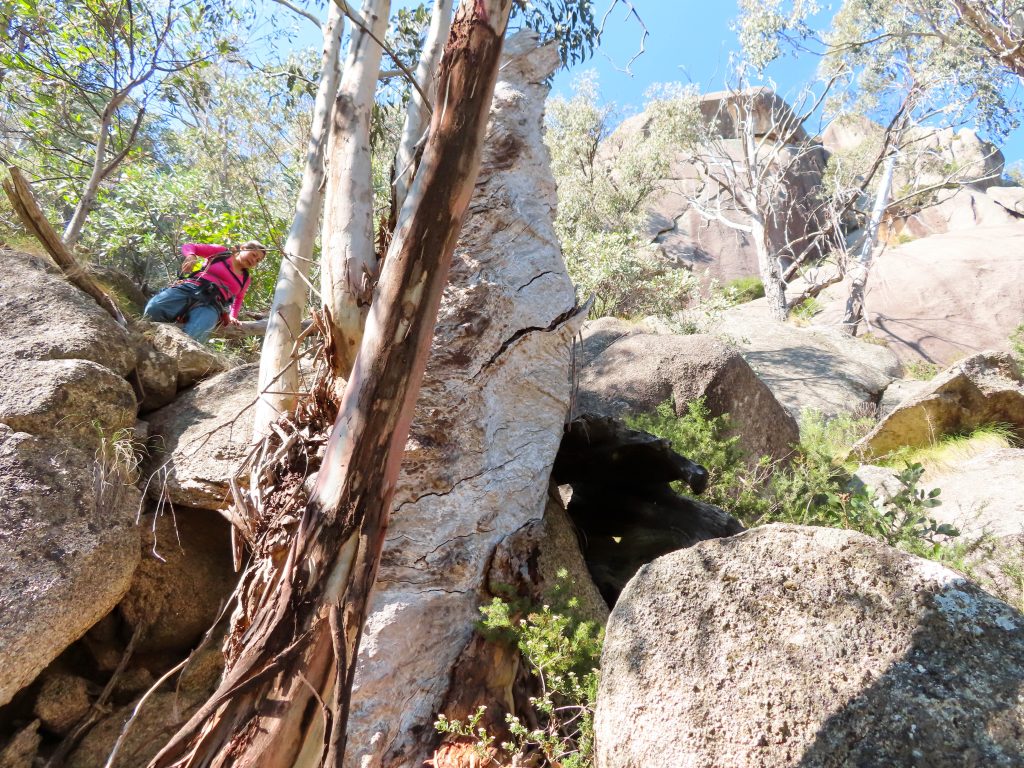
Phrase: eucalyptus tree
pixel 284 697
pixel 82 77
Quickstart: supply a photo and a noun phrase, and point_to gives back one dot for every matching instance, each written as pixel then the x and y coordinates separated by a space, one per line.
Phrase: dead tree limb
pixel 284 699
pixel 23 199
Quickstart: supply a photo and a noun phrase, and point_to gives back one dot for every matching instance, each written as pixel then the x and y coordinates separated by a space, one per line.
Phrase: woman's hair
pixel 253 245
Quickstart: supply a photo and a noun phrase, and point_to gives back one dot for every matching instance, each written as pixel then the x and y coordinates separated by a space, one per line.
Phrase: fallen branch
pixel 25 204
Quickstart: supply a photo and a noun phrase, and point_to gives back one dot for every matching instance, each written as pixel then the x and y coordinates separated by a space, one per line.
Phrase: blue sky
pixel 688 41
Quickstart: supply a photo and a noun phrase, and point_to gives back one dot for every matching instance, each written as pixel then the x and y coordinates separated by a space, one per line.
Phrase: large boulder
pixel 199 440
pixel 987 388
pixel 814 368
pixel 942 297
pixel 963 208
pixel 69 554
pixel 636 372
pixel 711 248
pixel 75 401
pixel 45 318
pixel 183 581
pixel 192 360
pixel 795 646
pixel 982 495
pixel 485 431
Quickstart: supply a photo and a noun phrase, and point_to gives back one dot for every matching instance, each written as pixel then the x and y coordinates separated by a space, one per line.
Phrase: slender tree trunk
pixel 418 116
pixel 349 261
pixel 284 699
pixel 279 376
pixel 771 273
pixel 73 231
pixel 859 274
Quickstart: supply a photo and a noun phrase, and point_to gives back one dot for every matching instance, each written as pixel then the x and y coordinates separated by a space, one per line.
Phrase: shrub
pixel 744 289
pixel 810 489
pixel 563 651
pixel 1017 342
pixel 921 370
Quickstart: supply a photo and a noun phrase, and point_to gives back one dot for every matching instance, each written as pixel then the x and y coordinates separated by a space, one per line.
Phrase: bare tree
pixel 284 698
pixel 749 158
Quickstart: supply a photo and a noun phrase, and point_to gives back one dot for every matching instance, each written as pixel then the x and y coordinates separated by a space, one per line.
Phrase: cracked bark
pixel 285 696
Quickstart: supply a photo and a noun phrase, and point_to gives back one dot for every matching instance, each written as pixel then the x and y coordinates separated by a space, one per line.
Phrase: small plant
pixel 921 370
pixel 805 310
pixel 1017 342
pixel 563 652
pixel 870 338
pixel 744 289
pixel 832 437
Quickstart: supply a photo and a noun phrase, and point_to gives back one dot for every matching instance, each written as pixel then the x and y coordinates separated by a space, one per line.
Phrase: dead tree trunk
pixel 284 699
pixel 25 204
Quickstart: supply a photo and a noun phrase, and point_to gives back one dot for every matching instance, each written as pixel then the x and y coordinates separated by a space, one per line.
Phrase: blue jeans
pixel 168 305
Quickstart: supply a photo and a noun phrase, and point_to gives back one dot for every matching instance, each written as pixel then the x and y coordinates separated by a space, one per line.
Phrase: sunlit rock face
pixel 797 646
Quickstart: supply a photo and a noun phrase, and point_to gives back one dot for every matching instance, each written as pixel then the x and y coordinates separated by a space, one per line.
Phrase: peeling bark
pixel 284 699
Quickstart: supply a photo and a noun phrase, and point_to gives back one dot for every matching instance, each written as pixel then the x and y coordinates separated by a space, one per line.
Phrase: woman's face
pixel 249 258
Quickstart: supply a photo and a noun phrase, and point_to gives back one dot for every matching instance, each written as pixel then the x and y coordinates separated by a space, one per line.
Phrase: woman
pixel 212 293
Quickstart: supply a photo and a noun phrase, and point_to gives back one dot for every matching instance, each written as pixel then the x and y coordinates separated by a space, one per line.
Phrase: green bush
pixel 812 488
pixel 563 651
pixel 744 289
pixel 1017 342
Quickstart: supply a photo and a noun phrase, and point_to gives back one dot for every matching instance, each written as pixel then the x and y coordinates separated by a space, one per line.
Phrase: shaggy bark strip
pixel 284 699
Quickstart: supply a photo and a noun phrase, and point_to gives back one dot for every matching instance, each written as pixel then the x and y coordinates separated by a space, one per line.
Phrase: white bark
pixel 859 274
pixel 73 231
pixel 279 376
pixel 349 262
pixel 418 116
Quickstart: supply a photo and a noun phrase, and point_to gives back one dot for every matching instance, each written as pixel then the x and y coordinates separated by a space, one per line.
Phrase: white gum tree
pixel 279 375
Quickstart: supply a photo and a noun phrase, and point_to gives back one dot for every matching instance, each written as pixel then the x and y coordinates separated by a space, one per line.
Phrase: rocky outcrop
pixel 712 249
pixel 71 552
pixel 487 425
pixel 933 156
pixel 636 372
pixel 954 210
pixel 987 388
pixel 982 495
pixel 183 581
pixel 201 438
pixel 44 318
pixel 815 368
pixel 942 297
pixel 787 646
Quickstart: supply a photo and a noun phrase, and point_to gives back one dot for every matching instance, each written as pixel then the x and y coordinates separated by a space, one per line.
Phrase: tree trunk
pixel 73 231
pixel 768 265
pixel 284 699
pixel 859 274
pixel 279 376
pixel 418 116
pixel 349 260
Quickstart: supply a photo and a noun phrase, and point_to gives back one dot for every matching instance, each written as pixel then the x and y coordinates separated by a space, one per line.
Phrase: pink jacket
pixel 232 287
